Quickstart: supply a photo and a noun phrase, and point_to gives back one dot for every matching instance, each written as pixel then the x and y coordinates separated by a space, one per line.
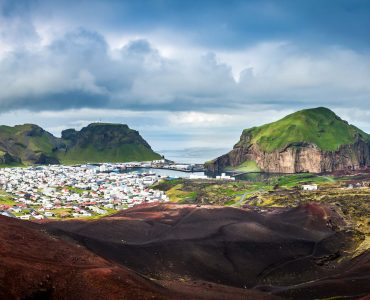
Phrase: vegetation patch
pixel 6 199
pixel 248 166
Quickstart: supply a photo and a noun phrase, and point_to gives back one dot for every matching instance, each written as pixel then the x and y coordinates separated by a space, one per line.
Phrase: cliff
pixel 313 140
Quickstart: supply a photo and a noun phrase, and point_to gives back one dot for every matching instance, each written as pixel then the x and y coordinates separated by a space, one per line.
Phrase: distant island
pixel 311 140
pixel 29 144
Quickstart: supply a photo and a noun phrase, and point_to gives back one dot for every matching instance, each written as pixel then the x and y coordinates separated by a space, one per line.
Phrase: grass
pixel 230 202
pixel 176 194
pixel 123 153
pixel 23 144
pixel 229 193
pixel 319 126
pixel 289 181
pixel 165 185
pixel 209 191
pixel 42 144
pixel 60 211
pixel 248 166
pixel 12 165
pixel 6 199
pixel 75 190
pixel 96 217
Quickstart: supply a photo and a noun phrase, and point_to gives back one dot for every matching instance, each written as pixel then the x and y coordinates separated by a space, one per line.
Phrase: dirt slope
pixel 35 264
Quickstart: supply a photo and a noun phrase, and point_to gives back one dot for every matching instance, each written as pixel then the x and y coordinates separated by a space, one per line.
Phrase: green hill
pixel 311 140
pixel 104 142
pixel 26 144
pixel 319 126
pixel 99 142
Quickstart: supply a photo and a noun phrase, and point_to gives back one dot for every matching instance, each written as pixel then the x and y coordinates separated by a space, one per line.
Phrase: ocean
pixel 193 155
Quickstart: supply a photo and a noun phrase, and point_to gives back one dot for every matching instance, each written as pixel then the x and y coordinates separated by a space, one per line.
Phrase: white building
pixel 309 187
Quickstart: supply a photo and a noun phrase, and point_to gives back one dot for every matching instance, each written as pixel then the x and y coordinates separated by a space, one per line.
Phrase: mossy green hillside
pixel 104 142
pixel 249 166
pixel 25 144
pixel 319 126
pixel 123 153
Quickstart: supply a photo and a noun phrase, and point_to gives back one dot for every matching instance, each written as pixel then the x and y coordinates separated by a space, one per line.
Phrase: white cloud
pixel 176 94
pixel 138 75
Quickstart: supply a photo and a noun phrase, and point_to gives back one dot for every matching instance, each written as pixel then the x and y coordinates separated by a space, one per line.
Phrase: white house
pixel 309 187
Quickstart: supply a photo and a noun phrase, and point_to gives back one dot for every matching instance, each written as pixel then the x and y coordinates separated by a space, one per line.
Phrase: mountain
pixel 28 143
pixel 104 142
pixel 98 142
pixel 312 140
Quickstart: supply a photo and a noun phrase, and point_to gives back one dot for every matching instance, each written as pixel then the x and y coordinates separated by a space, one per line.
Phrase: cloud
pixel 183 77
pixel 216 24
pixel 80 69
pixel 16 25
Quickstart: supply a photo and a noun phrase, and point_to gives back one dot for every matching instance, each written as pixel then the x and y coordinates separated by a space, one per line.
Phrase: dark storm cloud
pixel 218 23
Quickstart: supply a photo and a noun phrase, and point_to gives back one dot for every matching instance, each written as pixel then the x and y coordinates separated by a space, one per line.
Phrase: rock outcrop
pixel 297 156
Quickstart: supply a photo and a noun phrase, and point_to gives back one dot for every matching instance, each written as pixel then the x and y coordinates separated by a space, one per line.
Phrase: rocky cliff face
pixel 296 158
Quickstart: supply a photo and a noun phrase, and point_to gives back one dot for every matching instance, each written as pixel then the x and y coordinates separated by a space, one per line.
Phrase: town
pixel 86 191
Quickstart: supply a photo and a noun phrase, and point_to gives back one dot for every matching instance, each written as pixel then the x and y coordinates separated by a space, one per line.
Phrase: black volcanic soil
pixel 299 253
pixel 35 264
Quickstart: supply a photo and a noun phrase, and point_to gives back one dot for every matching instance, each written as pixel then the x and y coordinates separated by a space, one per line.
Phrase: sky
pixel 185 74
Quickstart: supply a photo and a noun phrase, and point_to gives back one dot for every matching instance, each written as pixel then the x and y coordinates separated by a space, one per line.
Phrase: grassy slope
pixel 319 126
pixel 41 144
pixel 38 144
pixel 6 199
pixel 124 153
pixel 247 166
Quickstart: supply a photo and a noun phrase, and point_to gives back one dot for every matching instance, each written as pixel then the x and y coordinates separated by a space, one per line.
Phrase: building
pixel 309 187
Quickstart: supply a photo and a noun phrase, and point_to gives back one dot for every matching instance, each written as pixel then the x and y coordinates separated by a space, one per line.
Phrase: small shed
pixel 309 187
